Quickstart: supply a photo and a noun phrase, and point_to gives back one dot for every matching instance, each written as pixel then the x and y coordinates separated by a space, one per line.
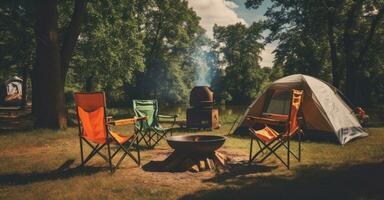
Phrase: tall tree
pixel 351 28
pixel 110 50
pixel 358 37
pixel 171 33
pixel 52 62
pixel 241 48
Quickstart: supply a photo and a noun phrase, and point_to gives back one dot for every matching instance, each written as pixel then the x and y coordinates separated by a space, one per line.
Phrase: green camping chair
pixel 152 132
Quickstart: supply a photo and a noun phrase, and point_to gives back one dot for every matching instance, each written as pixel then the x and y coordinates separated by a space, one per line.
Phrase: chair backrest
pixel 293 125
pixel 91 109
pixel 147 108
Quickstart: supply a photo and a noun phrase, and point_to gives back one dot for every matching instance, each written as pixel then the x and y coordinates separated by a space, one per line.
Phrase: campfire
pixel 195 153
pixel 201 114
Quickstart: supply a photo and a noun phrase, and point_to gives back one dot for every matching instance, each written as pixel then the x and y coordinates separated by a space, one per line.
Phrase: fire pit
pixel 195 153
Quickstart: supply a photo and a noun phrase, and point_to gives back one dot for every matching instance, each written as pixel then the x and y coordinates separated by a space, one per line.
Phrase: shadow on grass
pixel 361 181
pixel 154 166
pixel 232 170
pixel 320 137
pixel 240 169
pixel 63 172
pixel 309 135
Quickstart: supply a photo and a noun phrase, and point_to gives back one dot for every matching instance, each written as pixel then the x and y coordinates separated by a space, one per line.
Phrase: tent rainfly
pixel 323 107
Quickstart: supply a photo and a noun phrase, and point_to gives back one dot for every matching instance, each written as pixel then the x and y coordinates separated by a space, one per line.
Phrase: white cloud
pixel 218 12
pixel 231 5
pixel 267 55
pixel 222 13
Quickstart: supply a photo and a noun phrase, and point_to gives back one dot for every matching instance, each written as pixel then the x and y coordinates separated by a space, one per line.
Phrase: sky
pixel 225 12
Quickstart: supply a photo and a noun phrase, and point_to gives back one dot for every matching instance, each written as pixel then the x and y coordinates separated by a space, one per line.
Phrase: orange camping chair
pixel 271 140
pixel 95 130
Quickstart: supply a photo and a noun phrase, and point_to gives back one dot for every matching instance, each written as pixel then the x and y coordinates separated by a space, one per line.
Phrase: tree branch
pixel 71 36
pixel 372 30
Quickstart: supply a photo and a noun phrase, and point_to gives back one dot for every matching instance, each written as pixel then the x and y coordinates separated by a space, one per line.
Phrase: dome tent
pixel 323 107
pixel 13 91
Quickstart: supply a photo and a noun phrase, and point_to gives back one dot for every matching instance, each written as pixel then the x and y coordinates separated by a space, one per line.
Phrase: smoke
pixel 203 69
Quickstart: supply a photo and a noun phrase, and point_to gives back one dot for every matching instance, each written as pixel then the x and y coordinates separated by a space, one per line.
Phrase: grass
pixel 42 164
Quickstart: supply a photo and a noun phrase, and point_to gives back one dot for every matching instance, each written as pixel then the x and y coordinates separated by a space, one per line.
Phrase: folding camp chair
pixel 95 130
pixel 270 140
pixel 152 132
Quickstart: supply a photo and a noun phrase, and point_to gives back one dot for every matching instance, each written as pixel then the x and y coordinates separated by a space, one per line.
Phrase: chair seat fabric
pixel 266 134
pixel 120 138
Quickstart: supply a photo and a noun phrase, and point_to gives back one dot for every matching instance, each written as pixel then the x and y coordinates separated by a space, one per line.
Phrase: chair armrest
pixel 251 121
pixel 168 116
pixel 109 118
pixel 122 122
pixel 141 118
pixel 263 120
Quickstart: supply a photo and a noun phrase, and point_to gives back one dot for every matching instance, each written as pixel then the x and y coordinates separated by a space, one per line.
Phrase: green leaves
pixel 110 49
pixel 17 42
pixel 240 47
pixel 331 39
pixel 172 33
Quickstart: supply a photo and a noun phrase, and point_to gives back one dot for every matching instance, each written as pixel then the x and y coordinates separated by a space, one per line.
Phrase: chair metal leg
pixel 81 151
pixel 98 152
pixel 293 154
pixel 258 143
pixel 138 150
pixel 250 152
pixel 115 153
pixel 121 159
pixel 288 153
pixel 127 152
pixel 95 150
pixel 299 153
pixel 271 149
pixel 143 137
pixel 266 146
pixel 109 155
pixel 159 136
pixel 150 138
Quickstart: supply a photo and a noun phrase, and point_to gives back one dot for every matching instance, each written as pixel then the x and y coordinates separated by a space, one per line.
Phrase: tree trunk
pixel 89 84
pixel 48 89
pixel 24 90
pixel 349 48
pixel 48 79
pixel 336 72
pixel 362 90
pixel 375 23
pixel 35 90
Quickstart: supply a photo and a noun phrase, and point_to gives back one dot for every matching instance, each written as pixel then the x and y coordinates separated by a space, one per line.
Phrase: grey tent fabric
pixel 323 109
